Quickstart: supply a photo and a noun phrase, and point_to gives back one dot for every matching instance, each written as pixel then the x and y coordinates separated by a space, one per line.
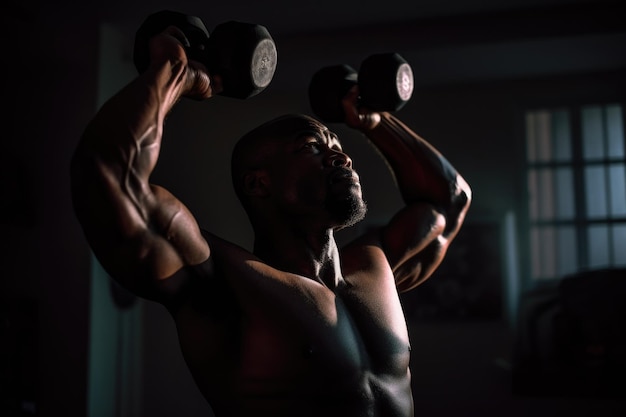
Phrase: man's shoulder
pixel 365 243
pixel 219 245
pixel 365 255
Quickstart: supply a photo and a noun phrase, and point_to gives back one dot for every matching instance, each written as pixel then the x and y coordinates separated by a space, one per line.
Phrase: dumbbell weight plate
pixel 385 82
pixel 263 63
pixel 404 82
pixel 244 55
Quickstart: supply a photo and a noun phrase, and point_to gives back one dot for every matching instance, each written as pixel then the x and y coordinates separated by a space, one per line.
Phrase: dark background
pixel 478 65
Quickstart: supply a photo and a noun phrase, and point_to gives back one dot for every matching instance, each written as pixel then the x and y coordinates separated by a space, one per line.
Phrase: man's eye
pixel 311 145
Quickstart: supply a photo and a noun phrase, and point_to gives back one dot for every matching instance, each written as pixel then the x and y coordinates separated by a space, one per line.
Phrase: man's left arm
pixel 437 198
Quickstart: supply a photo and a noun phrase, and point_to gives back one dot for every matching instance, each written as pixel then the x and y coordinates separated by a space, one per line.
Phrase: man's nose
pixel 339 159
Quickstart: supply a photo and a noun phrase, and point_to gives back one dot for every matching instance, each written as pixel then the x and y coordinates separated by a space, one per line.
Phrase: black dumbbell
pixel 242 54
pixel 385 84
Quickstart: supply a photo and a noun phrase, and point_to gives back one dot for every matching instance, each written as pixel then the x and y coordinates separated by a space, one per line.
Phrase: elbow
pixel 461 197
pixel 467 192
pixel 458 207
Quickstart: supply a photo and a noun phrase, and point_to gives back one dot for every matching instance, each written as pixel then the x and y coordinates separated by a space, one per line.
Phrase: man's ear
pixel 256 183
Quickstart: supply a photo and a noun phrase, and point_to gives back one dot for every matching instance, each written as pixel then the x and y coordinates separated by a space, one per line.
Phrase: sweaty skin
pixel 298 326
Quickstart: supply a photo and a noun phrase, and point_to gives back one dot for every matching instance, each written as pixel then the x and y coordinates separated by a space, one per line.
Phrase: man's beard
pixel 347 211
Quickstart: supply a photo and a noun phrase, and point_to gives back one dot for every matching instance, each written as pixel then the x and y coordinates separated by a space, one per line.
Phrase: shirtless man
pixel 297 327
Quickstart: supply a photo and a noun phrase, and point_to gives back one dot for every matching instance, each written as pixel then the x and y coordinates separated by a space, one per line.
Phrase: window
pixel 576 181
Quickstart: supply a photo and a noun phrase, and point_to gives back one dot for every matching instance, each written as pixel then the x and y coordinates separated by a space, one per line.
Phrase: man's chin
pixel 348 212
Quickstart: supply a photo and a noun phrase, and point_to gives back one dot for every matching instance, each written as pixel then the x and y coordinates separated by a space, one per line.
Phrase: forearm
pixel 126 132
pixel 421 172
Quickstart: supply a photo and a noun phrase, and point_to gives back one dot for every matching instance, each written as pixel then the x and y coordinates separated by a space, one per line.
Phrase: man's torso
pixel 259 341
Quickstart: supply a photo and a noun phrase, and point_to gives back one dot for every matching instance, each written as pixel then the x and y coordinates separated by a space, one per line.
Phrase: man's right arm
pixel 140 233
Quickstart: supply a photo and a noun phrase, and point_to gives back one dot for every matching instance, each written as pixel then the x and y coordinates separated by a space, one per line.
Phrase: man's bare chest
pixel 301 342
pixel 308 327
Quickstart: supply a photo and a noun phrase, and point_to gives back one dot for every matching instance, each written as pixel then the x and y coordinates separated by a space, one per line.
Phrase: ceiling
pixel 288 17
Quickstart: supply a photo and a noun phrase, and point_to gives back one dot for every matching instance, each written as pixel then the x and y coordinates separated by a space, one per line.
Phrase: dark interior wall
pixel 49 94
pixel 66 102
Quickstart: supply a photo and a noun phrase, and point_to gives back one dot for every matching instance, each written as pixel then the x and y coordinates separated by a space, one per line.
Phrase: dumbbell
pixel 385 83
pixel 242 54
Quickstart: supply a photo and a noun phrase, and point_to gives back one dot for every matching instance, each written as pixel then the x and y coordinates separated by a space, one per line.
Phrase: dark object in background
pixel 572 342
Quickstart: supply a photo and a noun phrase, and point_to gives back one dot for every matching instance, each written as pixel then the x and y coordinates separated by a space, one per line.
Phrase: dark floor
pixel 464 369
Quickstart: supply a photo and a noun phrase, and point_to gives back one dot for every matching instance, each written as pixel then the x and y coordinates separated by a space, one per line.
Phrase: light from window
pixel 576 189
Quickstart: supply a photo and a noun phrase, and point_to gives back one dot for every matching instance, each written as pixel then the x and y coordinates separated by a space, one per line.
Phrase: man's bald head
pixel 257 148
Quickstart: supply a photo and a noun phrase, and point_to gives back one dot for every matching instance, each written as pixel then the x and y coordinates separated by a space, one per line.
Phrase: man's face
pixel 313 176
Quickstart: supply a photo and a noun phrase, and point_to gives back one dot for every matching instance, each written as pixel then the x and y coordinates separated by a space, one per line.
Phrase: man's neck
pixel 312 255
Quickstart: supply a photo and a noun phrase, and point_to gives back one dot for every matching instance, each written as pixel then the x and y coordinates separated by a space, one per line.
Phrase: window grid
pixel 576 181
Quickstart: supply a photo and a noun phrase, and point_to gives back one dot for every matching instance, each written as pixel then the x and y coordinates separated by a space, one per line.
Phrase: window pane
pixel 546 194
pixel 598 246
pixel 541 194
pixel 538 136
pixel 619 244
pixel 617 180
pixel 561 136
pixel 531 137
pixel 543 249
pixel 565 194
pixel 593 132
pixel 535 251
pixel 548 254
pixel 595 191
pixel 568 259
pixel 615 131
pixel 533 191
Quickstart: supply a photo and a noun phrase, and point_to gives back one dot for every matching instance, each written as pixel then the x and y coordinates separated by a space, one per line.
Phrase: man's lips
pixel 342 175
